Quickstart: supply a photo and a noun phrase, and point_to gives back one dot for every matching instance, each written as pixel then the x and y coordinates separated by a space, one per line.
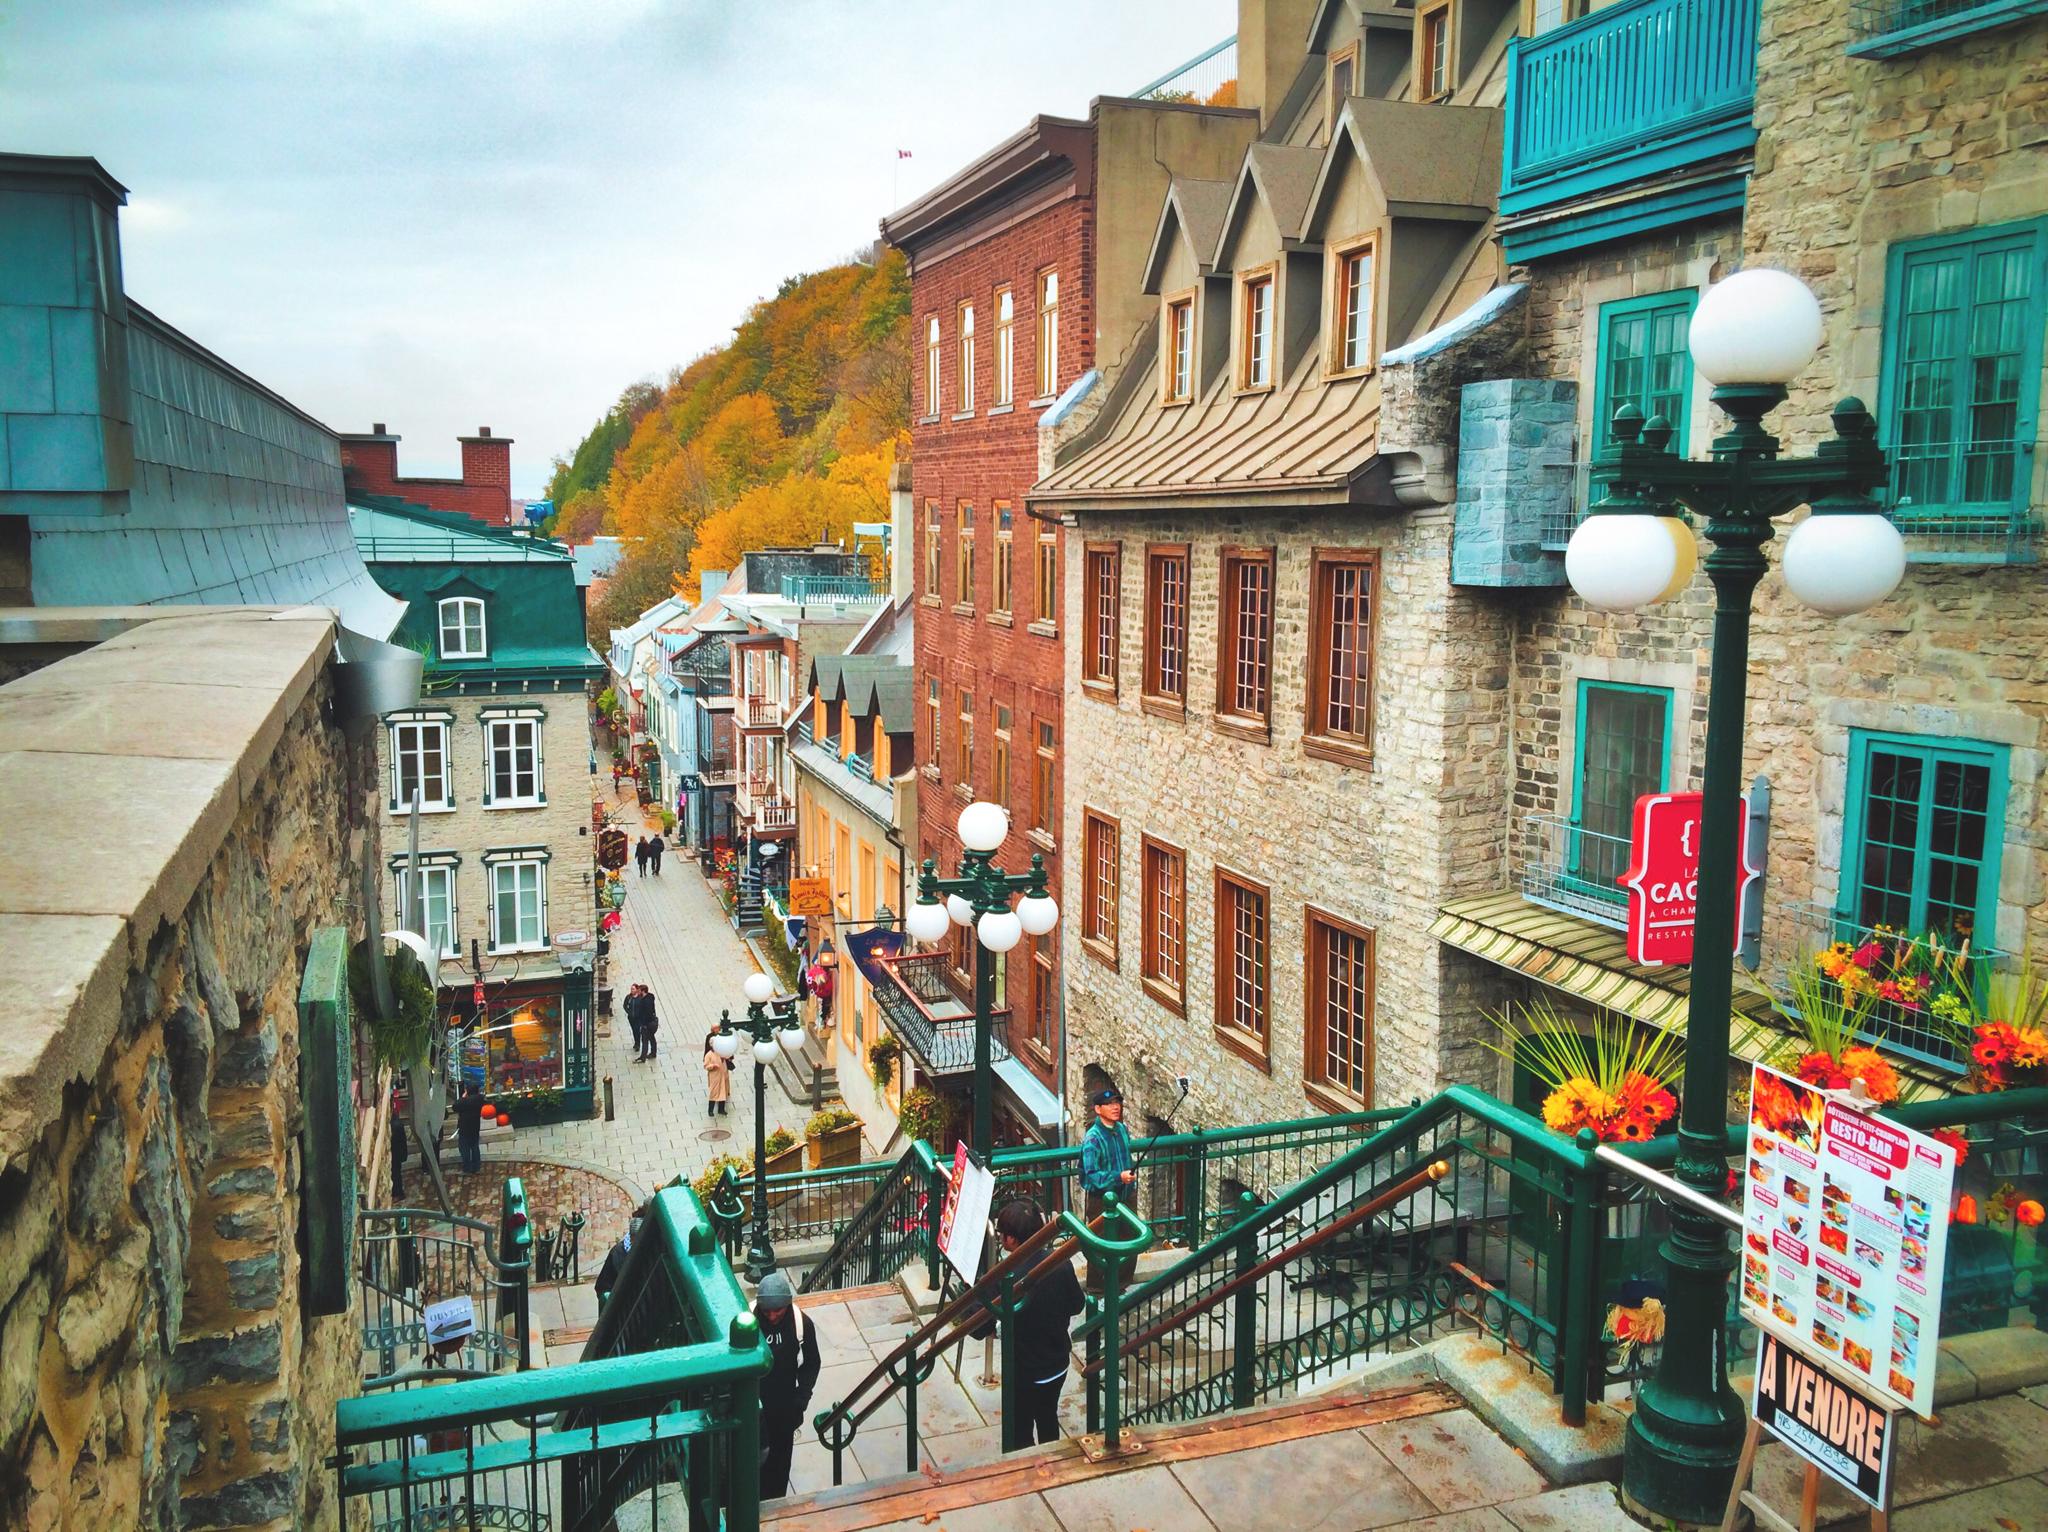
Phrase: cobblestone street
pixel 677 941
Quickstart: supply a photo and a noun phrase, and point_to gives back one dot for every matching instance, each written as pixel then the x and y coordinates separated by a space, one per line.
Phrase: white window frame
pixel 1006 347
pixel 493 743
pixel 1047 360
pixel 441 802
pixel 538 867
pixel 933 398
pixel 481 649
pixel 966 359
pixel 432 873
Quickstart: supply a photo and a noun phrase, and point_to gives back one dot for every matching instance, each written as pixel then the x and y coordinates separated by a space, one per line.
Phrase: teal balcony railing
pixel 1629 94
pixel 1887 28
pixel 832 588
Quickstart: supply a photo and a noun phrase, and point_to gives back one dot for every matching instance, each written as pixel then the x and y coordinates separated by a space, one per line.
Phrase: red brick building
pixel 369 466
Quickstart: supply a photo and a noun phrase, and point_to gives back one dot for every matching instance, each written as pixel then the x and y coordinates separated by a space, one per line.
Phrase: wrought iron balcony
pixel 1633 93
pixel 1570 868
pixel 842 588
pixel 932 1014
pixel 1887 28
pixel 1964 502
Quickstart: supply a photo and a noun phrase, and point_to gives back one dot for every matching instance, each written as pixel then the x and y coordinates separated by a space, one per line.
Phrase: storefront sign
pixel 1663 877
pixel 1840 1428
pixel 963 1220
pixel 1844 1234
pixel 810 896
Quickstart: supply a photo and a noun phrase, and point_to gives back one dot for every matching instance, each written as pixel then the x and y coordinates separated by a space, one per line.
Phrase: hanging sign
pixel 450 1321
pixel 1663 877
pixel 810 896
pixel 1845 1234
pixel 476 998
pixel 1842 1428
pixel 963 1220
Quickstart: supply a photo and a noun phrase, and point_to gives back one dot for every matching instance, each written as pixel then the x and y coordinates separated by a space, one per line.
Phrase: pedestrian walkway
pixel 676 940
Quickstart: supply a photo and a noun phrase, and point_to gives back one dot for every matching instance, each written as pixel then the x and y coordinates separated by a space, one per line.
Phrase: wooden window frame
pixel 1044 780
pixel 1425 59
pixel 934 554
pixel 1353 748
pixel 1334 103
pixel 1315 1003
pixel 934 372
pixel 1171 993
pixel 1153 693
pixel 1001 572
pixel 1170 353
pixel 1101 634
pixel 1047 576
pixel 963 556
pixel 1259 278
pixel 1342 254
pixel 1044 1014
pixel 1004 394
pixel 1254 1048
pixel 963 742
pixel 934 707
pixel 1574 10
pixel 1095 823
pixel 1045 360
pixel 999 775
pixel 1229 716
pixel 963 317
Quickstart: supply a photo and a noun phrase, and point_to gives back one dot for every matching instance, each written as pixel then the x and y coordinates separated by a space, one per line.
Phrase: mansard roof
pixel 1282 176
pixel 1192 213
pixel 1428 160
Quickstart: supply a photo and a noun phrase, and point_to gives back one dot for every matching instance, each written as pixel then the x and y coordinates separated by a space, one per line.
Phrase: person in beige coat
pixel 717 1080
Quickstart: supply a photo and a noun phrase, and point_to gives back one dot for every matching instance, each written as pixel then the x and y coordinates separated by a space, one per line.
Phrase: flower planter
pixel 840 1146
pixel 787 1163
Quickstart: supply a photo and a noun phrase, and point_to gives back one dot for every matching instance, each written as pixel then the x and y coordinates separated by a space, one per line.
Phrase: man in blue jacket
pixel 1106 1161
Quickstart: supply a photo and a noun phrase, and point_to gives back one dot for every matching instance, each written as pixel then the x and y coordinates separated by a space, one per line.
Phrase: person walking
pixel 640 854
pixel 793 1363
pixel 469 1127
pixel 1106 1164
pixel 717 1078
pixel 650 1024
pixel 631 1006
pixel 1044 1343
pixel 655 847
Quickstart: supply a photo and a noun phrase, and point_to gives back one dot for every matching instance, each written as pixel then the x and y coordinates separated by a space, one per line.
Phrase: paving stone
pixel 1354 1490
pixel 1150 1498
pixel 1581 1508
pixel 1478 1519
pixel 1455 1459
pixel 2018 1505
pixel 965 1449
pixel 2001 1360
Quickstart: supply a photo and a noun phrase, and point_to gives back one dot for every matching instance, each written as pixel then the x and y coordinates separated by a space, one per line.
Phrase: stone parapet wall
pixel 157 1367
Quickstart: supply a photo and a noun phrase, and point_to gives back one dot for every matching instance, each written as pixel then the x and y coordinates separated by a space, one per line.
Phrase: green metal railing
pixel 668 1391
pixel 408 1258
pixel 899 1224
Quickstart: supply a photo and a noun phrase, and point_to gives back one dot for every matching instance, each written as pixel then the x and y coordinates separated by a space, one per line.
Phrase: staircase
pixel 747 910
pixel 808 1080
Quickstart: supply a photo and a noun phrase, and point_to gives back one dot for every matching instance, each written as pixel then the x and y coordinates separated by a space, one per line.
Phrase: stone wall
pixel 156 1365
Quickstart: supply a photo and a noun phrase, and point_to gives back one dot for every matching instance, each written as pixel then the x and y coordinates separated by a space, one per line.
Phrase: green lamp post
pixel 979 896
pixel 1750 336
pixel 773 1026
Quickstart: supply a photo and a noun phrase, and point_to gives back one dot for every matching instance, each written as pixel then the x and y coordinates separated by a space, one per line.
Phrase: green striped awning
pixel 1590 962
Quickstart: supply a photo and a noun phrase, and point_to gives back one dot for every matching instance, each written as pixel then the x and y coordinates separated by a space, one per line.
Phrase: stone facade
pixel 157 1366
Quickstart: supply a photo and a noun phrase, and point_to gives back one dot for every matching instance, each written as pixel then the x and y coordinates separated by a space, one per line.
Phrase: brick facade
pixel 369 465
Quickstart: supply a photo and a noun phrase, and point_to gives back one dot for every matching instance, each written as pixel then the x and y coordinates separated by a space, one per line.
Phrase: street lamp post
pixel 979 896
pixel 1751 334
pixel 772 1026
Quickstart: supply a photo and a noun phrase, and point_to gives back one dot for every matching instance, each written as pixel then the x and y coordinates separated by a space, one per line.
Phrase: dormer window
pixel 1434 75
pixel 1255 345
pixel 462 629
pixel 1351 316
pixel 1178 363
pixel 1343 83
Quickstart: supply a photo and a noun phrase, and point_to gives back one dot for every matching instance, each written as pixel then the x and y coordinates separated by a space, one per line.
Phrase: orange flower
pixel 2029 1213
pixel 1966 1209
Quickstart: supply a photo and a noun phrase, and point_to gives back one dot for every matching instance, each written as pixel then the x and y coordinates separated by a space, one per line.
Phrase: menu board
pixel 1844 1234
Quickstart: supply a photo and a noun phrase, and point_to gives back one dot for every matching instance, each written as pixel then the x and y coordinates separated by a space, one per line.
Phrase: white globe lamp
pixel 1000 930
pixel 926 922
pixel 725 1044
pixel 959 910
pixel 791 1038
pixel 1841 563
pixel 1038 914
pixel 1618 562
pixel 984 826
pixel 1758 326
pixel 759 988
pixel 764 1052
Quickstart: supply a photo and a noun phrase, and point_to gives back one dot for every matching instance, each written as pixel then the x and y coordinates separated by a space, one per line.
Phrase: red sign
pixel 476 998
pixel 1663 878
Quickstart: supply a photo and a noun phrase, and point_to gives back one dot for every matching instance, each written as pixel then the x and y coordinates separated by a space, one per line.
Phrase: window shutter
pixel 487 766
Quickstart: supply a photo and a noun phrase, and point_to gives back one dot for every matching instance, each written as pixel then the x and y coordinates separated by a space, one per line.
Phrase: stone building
pixel 1024 282
pixel 498 753
pixel 1891 157
pixel 1276 743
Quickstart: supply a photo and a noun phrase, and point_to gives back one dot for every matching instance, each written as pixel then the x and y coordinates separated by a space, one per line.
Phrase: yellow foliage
pixel 796 511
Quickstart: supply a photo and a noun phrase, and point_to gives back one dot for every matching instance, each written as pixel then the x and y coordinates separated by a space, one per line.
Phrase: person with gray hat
pixel 1106 1164
pixel 792 1374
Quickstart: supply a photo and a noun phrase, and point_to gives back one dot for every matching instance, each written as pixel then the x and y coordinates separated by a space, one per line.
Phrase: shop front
pixel 528 1048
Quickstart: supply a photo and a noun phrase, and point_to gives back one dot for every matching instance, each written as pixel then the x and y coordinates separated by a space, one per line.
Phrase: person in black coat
pixel 650 1024
pixel 469 1125
pixel 640 855
pixel 655 847
pixel 631 1006
pixel 1044 1347
pixel 793 1366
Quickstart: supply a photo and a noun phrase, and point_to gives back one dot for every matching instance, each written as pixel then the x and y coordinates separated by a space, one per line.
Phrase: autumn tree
pixel 647 573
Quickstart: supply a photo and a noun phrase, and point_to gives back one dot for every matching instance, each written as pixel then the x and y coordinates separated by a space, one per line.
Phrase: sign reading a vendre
pixel 1663 877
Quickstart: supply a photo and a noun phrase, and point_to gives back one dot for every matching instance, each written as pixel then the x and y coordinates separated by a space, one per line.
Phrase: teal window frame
pixel 1595 882
pixel 1856 820
pixel 1677 302
pixel 2028 238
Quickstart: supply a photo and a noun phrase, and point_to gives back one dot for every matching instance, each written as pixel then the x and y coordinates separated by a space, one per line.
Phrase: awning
pixel 1030 1091
pixel 865 946
pixel 1590 962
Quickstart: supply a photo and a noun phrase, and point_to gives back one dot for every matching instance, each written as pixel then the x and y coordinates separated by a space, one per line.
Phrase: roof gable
pixel 1423 160
pixel 1280 177
pixel 1193 215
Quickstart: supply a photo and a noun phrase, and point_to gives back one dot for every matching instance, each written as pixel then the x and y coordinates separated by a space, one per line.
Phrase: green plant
pixel 1612 1082
pixel 668 821
pixel 925 1114
pixel 882 1055
pixel 707 1180
pixel 828 1119
pixel 780 1142
pixel 405 1039
pixel 608 702
pixel 781 956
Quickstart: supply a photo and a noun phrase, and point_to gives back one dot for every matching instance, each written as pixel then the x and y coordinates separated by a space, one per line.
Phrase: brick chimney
pixel 369 461
pixel 487 464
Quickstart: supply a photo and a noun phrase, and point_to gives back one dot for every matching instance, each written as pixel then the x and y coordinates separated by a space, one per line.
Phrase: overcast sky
pixel 442 214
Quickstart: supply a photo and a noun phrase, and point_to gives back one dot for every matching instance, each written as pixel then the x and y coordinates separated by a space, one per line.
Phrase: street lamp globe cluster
pixel 1750 336
pixel 772 1026
pixel 979 896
